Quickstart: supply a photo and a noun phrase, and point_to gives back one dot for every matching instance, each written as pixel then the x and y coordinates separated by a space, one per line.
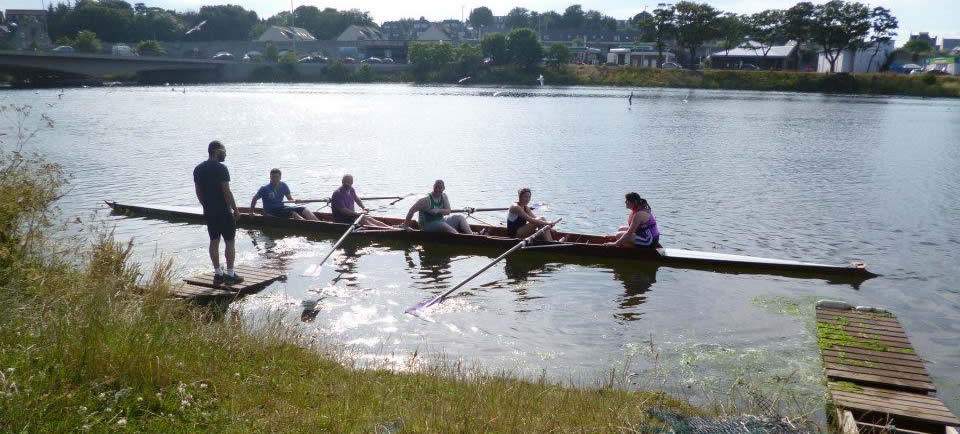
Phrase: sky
pixel 939 17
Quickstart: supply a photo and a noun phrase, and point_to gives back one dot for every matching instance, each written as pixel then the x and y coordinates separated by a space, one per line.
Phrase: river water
pixel 819 178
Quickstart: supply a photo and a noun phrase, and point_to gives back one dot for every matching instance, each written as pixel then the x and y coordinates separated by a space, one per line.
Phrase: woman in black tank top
pixel 521 222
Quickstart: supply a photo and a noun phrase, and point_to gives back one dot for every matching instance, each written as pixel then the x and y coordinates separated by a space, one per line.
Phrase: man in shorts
pixel 272 195
pixel 211 179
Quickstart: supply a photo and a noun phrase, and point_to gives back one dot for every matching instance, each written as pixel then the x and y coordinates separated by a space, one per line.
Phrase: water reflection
pixel 637 280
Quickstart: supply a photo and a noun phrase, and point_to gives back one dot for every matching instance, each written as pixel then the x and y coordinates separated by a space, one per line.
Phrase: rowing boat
pixel 495 236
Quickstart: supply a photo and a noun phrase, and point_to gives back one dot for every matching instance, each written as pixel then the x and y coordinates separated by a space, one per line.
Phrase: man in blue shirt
pixel 211 180
pixel 272 195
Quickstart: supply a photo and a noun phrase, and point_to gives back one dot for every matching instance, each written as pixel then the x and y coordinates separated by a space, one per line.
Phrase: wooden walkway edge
pixel 875 379
pixel 203 288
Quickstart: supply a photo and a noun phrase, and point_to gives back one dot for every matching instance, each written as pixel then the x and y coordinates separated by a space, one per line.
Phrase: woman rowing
pixel 641 229
pixel 521 222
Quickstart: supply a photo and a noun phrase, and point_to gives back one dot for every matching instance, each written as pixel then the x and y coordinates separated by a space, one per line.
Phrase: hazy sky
pixel 939 17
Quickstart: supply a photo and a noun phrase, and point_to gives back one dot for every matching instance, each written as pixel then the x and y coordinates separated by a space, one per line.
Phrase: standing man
pixel 211 180
pixel 273 194
pixel 342 201
pixel 431 210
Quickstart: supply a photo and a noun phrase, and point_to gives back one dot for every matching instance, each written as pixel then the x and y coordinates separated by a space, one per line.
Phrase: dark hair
pixel 275 170
pixel 213 146
pixel 523 190
pixel 639 201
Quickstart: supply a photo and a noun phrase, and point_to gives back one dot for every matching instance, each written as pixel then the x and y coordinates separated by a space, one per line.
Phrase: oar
pixel 397 198
pixel 314 270
pixel 438 299
pixel 473 210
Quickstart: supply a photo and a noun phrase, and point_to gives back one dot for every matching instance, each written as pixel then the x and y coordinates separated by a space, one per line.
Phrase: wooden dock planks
pixel 203 287
pixel 875 375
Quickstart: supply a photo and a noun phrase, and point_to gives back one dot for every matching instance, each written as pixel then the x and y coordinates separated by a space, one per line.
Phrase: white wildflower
pixel 108 410
pixel 203 385
pixel 122 422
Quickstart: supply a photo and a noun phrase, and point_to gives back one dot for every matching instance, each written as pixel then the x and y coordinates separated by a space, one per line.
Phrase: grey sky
pixel 939 17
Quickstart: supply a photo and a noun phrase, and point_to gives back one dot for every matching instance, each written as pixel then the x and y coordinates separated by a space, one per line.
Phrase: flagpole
pixel 293 30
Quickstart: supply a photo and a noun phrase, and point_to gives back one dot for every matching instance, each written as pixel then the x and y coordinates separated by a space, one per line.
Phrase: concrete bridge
pixel 38 67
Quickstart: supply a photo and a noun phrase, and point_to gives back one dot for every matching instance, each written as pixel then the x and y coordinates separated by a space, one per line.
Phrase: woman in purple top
pixel 342 201
pixel 642 230
pixel 272 195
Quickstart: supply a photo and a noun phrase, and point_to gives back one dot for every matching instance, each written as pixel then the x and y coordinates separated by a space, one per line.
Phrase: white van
pixel 123 50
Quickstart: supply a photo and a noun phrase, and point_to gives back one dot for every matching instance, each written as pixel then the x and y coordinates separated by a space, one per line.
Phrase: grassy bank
pixel 87 349
pixel 869 84
pixel 790 81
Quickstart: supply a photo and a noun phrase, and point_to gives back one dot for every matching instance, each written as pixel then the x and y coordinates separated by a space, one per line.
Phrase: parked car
pixel 253 56
pixel 388 60
pixel 671 65
pixel 313 59
pixel 223 55
pixel 63 49
pixel 372 60
pixel 348 60
pixel 749 67
pixel 936 72
pixel 122 50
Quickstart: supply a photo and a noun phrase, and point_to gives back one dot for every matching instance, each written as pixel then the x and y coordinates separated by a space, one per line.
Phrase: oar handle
pixel 328 199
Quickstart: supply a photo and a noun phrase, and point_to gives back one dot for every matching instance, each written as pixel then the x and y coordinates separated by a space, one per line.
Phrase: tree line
pixel 119 21
pixel 832 27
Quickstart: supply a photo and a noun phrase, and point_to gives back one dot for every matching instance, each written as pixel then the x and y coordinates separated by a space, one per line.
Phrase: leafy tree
pixel 883 28
pixel 733 30
pixel 425 56
pixel 917 48
pixel 766 30
pixel 558 55
pixel 549 19
pixel 481 17
pixel 573 17
pixel 518 17
pixel 839 26
pixel 523 47
pixel 665 27
pixel 494 46
pixel 696 23
pixel 150 48
pixel 645 23
pixel 798 25
pixel 157 24
pixel 87 42
pixel 109 21
pixel 224 23
pixel 63 40
pixel 469 58
pixel 595 20
pixel 270 52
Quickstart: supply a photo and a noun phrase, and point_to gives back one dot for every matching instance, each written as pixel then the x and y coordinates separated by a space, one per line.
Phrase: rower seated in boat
pixel 641 229
pixel 521 221
pixel 272 195
pixel 431 210
pixel 342 201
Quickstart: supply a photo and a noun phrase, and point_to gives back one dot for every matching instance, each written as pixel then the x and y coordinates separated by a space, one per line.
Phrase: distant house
pixel 286 34
pixel 925 36
pixel 586 55
pixel 863 60
pixel 361 33
pixel 778 57
pixel 28 28
pixel 593 37
pixel 948 45
pixel 642 55
pixel 436 32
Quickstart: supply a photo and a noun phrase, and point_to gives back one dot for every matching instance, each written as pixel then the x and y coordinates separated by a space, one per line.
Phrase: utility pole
pixel 293 30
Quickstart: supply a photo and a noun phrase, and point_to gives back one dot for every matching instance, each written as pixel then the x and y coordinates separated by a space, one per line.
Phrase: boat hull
pixel 495 237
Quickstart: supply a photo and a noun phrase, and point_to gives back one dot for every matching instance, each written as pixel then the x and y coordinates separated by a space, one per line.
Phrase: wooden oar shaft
pixel 519 245
pixel 328 199
pixel 473 210
pixel 343 237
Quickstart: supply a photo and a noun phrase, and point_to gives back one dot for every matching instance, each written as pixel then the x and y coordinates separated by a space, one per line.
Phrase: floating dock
pixel 202 287
pixel 876 380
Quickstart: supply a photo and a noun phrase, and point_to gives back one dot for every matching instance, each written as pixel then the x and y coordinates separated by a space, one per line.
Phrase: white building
pixel 638 55
pixel 286 34
pixel 863 61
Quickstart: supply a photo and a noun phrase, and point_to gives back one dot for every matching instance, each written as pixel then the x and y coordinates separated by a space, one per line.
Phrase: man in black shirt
pixel 212 182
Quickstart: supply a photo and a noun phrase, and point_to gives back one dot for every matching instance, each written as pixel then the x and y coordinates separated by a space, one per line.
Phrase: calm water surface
pixel 810 177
